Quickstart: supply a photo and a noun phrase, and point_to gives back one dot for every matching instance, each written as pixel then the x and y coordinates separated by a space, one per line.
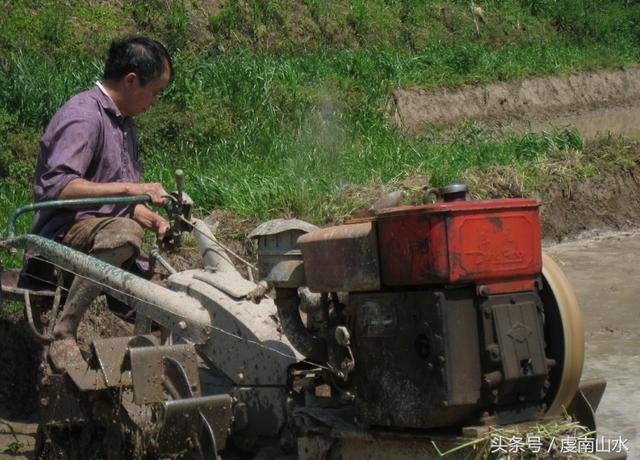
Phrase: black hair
pixel 143 56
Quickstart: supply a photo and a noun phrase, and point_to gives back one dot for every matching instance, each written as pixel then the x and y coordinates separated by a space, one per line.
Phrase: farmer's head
pixel 138 69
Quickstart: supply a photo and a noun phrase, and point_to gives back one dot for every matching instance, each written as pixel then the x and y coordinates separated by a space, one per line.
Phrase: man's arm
pixel 81 188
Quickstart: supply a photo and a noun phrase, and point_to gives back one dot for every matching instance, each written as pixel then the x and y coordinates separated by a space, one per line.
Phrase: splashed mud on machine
pixel 364 340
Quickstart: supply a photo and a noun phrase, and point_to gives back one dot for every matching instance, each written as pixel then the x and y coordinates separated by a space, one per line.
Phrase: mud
pixel 623 121
pixel 604 273
pixel 595 102
pixel 17 437
pixel 19 358
pixel 607 202
pixel 100 322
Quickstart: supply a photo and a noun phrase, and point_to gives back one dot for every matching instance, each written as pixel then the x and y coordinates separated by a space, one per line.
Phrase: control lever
pixel 180 188
pixel 178 209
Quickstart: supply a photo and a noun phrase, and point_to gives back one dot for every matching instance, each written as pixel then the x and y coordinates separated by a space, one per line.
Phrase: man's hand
pixel 153 189
pixel 151 221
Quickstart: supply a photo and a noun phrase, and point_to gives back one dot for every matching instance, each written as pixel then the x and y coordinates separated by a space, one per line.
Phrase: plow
pixel 401 332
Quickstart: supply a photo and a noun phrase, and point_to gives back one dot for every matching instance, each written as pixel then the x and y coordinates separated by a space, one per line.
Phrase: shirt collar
pixel 107 102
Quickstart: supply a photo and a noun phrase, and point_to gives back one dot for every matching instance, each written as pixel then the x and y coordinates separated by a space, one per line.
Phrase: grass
pixel 279 107
pixel 11 310
pixel 14 446
pixel 528 441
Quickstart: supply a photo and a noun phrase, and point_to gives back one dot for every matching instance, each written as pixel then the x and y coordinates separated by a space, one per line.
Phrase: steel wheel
pixel 564 334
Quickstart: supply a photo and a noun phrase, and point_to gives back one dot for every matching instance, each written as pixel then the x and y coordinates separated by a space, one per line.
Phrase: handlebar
pixel 79 203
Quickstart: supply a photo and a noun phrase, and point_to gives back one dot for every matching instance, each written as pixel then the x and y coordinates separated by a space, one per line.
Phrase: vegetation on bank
pixel 280 107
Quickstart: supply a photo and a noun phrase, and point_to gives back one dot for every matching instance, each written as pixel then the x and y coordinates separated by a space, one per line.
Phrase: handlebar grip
pixel 179 181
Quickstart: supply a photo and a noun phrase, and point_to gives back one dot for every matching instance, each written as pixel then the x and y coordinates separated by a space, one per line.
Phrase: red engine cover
pixel 495 243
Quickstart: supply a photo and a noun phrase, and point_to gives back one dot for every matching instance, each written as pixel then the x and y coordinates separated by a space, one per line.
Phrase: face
pixel 137 98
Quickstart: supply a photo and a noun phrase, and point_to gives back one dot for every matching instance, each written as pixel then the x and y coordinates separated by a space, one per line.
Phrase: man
pixel 90 150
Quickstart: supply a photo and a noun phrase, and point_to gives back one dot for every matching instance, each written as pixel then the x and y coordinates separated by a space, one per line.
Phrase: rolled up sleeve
pixel 67 149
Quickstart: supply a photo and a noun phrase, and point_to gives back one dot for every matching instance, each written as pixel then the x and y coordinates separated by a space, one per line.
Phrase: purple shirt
pixel 87 138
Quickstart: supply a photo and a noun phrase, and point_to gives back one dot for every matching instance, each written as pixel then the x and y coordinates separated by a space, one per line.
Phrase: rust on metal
pixel 460 242
pixel 342 258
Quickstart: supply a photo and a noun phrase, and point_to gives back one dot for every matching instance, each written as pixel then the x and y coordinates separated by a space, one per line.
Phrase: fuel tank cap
pixel 454 192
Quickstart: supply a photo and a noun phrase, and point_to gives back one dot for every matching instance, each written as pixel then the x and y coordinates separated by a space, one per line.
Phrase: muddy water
pixel 19 433
pixel 606 276
pixel 622 121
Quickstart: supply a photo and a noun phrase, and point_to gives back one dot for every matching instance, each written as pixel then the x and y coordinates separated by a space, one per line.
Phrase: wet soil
pixel 609 202
pixel 550 101
pixel 19 359
pixel 623 121
pixel 604 273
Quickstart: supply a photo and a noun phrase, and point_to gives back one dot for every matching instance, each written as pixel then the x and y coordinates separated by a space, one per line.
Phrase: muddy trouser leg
pixel 82 292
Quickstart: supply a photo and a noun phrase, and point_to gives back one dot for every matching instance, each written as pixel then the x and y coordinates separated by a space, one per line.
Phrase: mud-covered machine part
pixel 402 326
pixel 440 315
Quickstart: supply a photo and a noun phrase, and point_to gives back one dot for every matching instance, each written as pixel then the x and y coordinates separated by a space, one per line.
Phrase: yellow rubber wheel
pixel 564 334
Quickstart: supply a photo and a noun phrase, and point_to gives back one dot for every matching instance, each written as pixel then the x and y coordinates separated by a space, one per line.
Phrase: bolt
pixel 44 402
pixel 442 359
pixel 445 403
pixel 484 291
pixel 429 366
pixel 182 325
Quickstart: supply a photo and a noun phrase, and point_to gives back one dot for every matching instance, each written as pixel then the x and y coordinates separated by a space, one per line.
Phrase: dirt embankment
pixel 580 207
pixel 607 202
pixel 530 99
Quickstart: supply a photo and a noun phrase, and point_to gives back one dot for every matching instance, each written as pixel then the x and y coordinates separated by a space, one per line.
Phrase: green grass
pixel 11 310
pixel 280 107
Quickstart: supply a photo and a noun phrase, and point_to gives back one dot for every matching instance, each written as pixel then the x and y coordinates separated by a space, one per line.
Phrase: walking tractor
pixel 401 334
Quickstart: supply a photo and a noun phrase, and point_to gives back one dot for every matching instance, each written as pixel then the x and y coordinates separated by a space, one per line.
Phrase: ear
pixel 130 77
